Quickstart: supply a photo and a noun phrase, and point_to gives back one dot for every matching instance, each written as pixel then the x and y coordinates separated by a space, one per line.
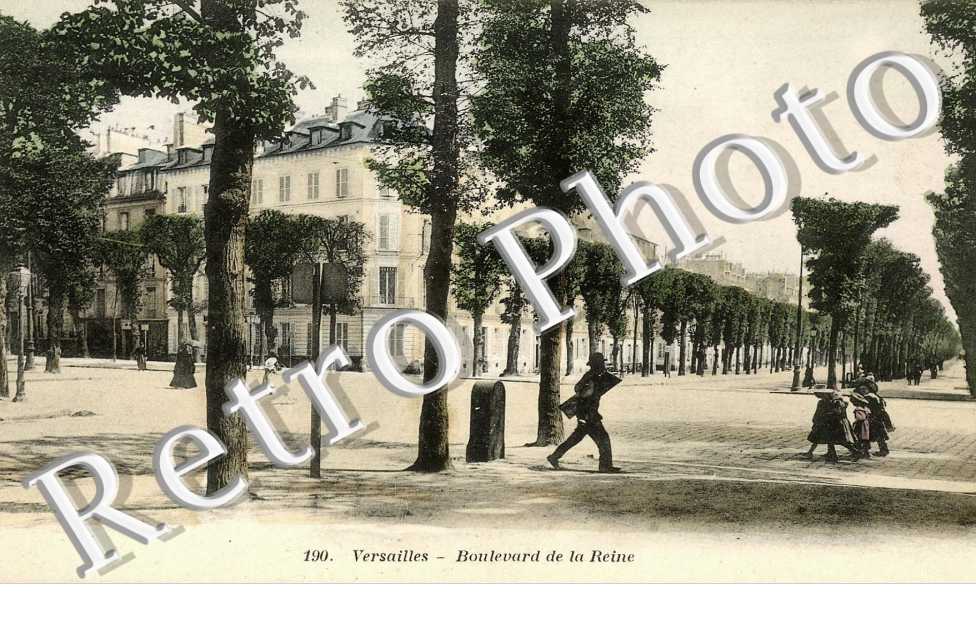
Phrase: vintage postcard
pixel 488 291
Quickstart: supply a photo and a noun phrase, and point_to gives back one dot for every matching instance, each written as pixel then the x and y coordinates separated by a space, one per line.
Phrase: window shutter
pixel 384 231
pixel 394 229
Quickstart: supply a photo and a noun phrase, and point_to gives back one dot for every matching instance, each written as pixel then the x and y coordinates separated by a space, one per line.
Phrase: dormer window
pixel 345 131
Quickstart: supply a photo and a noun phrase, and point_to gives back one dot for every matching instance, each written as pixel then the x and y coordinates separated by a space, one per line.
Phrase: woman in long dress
pixel 183 370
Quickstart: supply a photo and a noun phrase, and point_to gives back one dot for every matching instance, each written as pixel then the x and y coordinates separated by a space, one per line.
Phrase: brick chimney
pixel 337 110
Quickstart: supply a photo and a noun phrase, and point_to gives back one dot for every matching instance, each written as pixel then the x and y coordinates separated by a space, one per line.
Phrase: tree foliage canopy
pixel 605 124
pixel 174 50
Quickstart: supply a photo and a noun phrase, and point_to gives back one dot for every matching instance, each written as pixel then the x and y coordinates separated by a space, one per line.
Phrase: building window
pixel 285 341
pixel 342 336
pixel 386 191
pixel 149 213
pixel 308 340
pixel 124 221
pixel 284 188
pixel 388 285
pixel 397 334
pixel 257 191
pixel 181 199
pixel 100 303
pixel 342 182
pixel 425 237
pixel 389 232
pixel 313 185
pixel 151 301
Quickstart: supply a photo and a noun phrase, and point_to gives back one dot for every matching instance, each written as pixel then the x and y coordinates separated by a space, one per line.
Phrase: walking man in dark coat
pixel 589 421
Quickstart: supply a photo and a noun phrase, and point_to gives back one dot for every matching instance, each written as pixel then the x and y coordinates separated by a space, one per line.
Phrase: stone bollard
pixel 486 440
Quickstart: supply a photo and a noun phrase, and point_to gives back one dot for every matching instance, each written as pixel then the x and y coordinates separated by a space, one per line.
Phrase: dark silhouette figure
pixel 184 369
pixel 831 427
pixel 139 354
pixel 596 382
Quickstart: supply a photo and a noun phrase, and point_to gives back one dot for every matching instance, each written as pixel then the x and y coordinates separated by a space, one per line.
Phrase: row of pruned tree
pixel 952 28
pixel 682 307
pixel 888 321
pixel 275 244
pixel 877 297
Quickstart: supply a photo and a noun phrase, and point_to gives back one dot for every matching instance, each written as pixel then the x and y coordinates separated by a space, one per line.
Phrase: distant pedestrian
pixel 917 373
pixel 139 354
pixel 270 366
pixel 593 384
pixel 184 369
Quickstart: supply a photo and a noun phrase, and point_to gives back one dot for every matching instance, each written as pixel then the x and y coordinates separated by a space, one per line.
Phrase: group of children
pixel 831 426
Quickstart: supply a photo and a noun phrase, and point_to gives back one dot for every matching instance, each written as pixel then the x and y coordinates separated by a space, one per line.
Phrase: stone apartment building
pixel 319 168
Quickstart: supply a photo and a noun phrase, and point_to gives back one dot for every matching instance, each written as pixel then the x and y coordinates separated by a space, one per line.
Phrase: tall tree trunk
pixel 81 332
pixel 477 343
pixel 593 332
pixel 569 345
pixel 514 341
pixel 550 426
pixel 633 346
pixel 333 321
pixel 269 331
pixel 715 361
pixel 180 328
pixel 843 358
pixel 746 356
pixel 191 317
pixel 647 338
pixel 682 335
pixel 432 445
pixel 832 354
pixel 123 335
pixel 4 373
pixel 225 224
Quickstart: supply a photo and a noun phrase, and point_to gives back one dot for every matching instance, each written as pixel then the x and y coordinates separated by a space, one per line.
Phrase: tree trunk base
pixel 551 442
pixel 430 467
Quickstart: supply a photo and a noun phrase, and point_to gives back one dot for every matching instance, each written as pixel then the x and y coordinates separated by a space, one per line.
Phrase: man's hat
pixel 859 399
pixel 597 360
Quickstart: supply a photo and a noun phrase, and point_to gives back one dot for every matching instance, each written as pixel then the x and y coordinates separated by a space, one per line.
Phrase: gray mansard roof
pixel 309 134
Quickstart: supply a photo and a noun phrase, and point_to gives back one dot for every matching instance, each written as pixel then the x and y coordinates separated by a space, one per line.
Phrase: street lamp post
pixel 799 330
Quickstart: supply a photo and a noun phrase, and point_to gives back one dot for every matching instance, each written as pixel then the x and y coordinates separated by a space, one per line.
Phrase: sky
pixel 725 59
